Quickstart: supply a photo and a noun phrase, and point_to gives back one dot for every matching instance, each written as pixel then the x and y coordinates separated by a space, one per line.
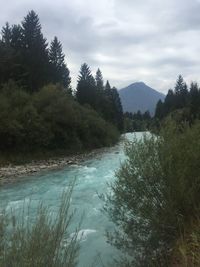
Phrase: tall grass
pixel 46 242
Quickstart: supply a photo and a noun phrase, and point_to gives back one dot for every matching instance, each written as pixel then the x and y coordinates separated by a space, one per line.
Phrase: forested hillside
pixel 38 111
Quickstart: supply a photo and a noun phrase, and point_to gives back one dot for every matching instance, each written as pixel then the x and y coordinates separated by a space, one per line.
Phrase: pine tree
pixel 159 113
pixel 181 92
pixel 99 80
pixel 118 110
pixel 35 53
pixel 60 72
pixel 194 100
pixel 7 55
pixel 107 87
pixel 86 88
pixel 179 85
pixel 16 37
pixel 6 34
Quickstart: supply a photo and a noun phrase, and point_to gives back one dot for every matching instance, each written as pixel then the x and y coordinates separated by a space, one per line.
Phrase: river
pixel 92 178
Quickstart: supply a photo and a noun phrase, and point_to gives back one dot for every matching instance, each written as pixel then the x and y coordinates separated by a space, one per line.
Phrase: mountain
pixel 139 96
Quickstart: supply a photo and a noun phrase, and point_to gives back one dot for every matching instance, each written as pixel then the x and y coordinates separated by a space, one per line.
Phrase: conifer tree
pixel 159 113
pixel 35 53
pixel 194 100
pixel 7 55
pixel 99 80
pixel 6 34
pixel 86 88
pixel 60 72
pixel 16 37
pixel 107 87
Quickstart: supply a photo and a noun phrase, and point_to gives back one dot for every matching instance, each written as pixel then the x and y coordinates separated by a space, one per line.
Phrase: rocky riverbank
pixel 13 173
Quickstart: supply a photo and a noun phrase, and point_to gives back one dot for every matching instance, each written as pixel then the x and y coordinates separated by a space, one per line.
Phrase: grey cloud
pixel 149 40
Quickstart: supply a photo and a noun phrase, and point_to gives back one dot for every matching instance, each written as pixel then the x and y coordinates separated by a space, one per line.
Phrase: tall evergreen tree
pixel 117 107
pixel 107 87
pixel 7 55
pixel 6 34
pixel 16 37
pixel 35 53
pixel 99 80
pixel 86 87
pixel 60 72
pixel 159 113
pixel 179 87
pixel 181 92
pixel 194 100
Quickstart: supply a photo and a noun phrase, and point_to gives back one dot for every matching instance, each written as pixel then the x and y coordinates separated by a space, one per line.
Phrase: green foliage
pixel 156 193
pixel 60 72
pixel 137 121
pixel 86 89
pixel 105 101
pixel 44 241
pixel 180 99
pixel 48 120
pixel 26 59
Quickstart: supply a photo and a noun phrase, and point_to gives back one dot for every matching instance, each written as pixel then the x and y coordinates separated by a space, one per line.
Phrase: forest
pixel 39 110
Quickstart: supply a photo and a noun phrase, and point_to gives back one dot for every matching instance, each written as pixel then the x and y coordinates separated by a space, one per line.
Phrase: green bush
pixel 49 120
pixel 156 193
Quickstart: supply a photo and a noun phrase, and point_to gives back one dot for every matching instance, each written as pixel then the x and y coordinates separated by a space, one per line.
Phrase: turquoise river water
pixel 92 177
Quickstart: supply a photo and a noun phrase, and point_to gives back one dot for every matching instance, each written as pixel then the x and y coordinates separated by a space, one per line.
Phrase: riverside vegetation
pixel 155 198
pixel 39 114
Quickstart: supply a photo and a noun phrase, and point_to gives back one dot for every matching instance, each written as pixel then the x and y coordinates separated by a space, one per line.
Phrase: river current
pixel 92 178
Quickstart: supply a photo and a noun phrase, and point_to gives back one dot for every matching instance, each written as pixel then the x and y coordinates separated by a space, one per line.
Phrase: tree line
pixel 38 108
pixel 182 102
pixel 137 121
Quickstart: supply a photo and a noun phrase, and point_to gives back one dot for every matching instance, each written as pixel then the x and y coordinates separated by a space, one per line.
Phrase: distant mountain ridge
pixel 139 96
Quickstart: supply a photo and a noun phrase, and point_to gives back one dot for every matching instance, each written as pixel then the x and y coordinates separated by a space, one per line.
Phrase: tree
pixel 159 113
pixel 117 108
pixel 35 53
pixel 107 87
pixel 181 92
pixel 86 88
pixel 6 34
pixel 16 37
pixel 194 100
pixel 60 72
pixel 8 62
pixel 99 80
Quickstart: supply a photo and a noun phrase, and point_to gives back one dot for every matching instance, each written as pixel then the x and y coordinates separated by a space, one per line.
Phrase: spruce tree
pixel 99 80
pixel 60 72
pixel 6 34
pixel 86 87
pixel 118 110
pixel 8 62
pixel 159 113
pixel 194 100
pixel 181 92
pixel 107 87
pixel 16 37
pixel 35 53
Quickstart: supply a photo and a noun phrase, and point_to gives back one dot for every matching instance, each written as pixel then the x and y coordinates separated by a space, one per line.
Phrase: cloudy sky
pixel 129 40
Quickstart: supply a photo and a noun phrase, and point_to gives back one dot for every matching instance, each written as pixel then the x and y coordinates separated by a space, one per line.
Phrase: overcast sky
pixel 129 40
